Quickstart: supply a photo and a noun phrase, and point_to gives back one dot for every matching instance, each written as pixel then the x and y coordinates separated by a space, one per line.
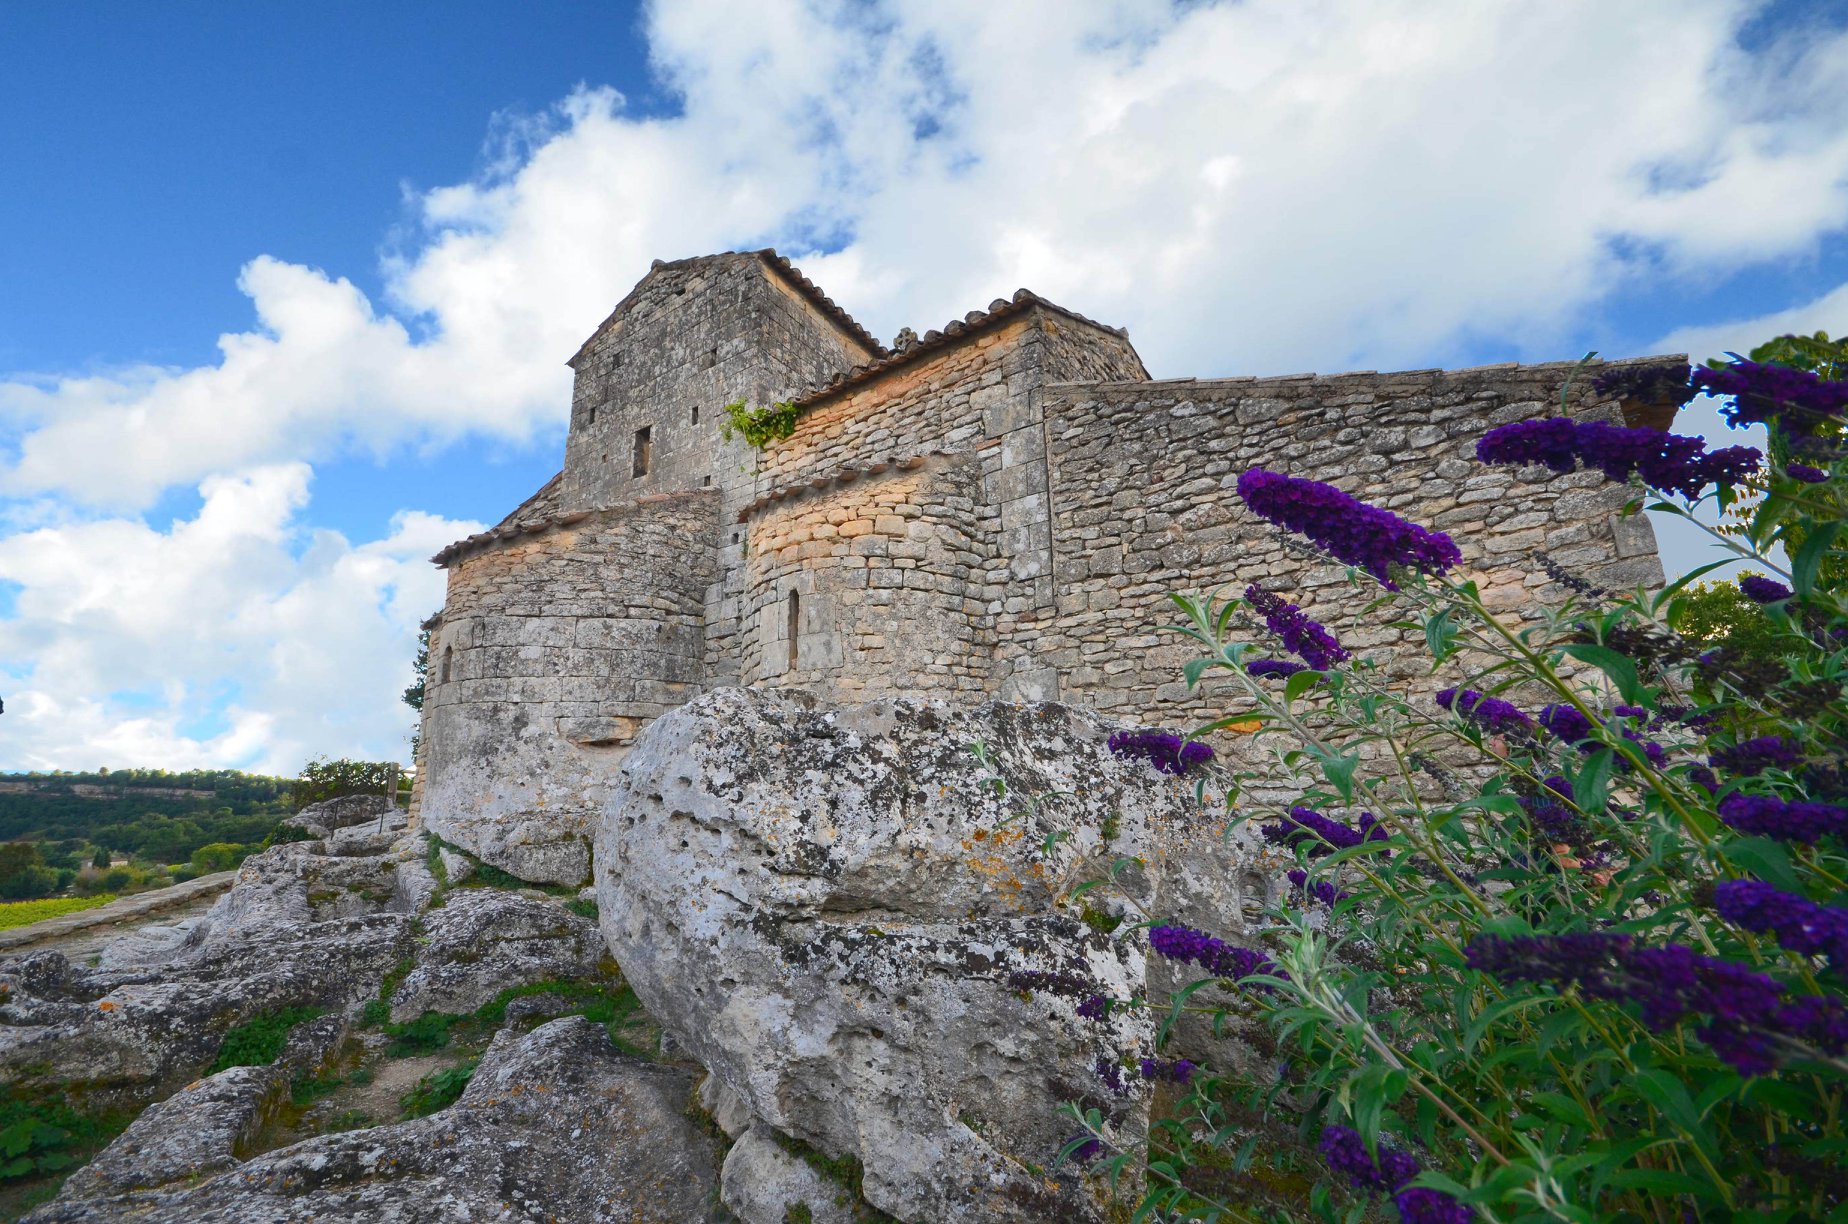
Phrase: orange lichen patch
pixel 106 1005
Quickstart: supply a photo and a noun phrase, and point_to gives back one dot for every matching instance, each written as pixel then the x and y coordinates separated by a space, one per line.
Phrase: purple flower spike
pixel 1799 924
pixel 1421 1205
pixel 1166 751
pixel 1301 636
pixel 1666 461
pixel 1273 667
pixel 1308 827
pixel 1805 473
pixel 1302 891
pixel 1782 819
pixel 1795 399
pixel 1492 714
pixel 1349 530
pixel 1216 956
pixel 1173 1070
pixel 1754 756
pixel 1763 590
pixel 1346 1153
pixel 1742 1014
pixel 1565 722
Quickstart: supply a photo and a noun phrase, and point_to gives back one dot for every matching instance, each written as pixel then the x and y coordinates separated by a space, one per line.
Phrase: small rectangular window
pixel 592 418
pixel 696 414
pixel 644 451
pixel 795 625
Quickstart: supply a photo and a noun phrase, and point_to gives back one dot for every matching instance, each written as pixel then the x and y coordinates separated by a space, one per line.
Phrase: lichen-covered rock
pixel 481 941
pixel 299 929
pixel 828 910
pixel 556 1126
pixel 763 1184
pixel 328 815
pixel 197 1131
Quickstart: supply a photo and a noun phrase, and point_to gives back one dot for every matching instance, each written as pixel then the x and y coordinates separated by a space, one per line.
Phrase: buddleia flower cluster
pixel 1167 752
pixel 1573 942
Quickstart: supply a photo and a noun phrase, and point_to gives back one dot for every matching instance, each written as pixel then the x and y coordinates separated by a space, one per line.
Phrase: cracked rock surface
pixel 556 1125
pixel 827 909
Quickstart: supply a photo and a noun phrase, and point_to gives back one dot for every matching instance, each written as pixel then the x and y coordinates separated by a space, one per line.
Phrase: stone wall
pixel 873 587
pixel 553 651
pixel 1143 499
pixel 981 396
pixel 692 337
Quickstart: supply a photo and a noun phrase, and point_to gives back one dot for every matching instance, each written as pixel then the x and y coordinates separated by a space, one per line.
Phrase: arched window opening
pixel 442 672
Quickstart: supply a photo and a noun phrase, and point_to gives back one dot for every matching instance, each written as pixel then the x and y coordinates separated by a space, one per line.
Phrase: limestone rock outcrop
pixel 341 812
pixel 480 941
pixel 299 929
pixel 555 1125
pixel 832 912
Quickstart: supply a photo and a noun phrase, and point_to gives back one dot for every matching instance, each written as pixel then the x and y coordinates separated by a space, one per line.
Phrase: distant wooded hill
pixel 154 813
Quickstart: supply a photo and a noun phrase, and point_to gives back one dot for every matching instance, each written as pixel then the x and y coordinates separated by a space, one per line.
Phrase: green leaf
pixel 1670 1097
pixel 1766 859
pixel 1620 669
pixel 1441 635
pixel 1193 669
pixel 1593 783
pixel 1300 683
pixel 1808 562
pixel 1339 770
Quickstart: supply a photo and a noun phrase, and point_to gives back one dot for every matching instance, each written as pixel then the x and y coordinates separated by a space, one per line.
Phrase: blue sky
pixel 289 288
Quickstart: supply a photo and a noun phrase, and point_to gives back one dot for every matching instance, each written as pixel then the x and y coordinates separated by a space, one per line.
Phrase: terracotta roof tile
pixel 973 323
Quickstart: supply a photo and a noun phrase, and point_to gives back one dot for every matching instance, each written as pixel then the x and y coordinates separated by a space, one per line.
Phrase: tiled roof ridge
pixel 1534 366
pixel 845 474
pixel 793 275
pixel 514 514
pixel 951 333
pixel 500 536
pixel 779 264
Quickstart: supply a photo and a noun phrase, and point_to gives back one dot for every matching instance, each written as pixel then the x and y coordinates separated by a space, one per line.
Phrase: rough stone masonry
pixel 996 509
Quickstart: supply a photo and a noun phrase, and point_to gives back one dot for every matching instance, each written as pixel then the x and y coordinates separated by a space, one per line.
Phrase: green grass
pixel 583 909
pixel 612 1005
pixel 424 1035
pixel 438 1090
pixel 257 1041
pixel 305 1090
pixel 25 913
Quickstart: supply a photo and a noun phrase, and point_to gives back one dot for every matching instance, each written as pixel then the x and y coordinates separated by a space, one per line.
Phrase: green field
pixel 24 913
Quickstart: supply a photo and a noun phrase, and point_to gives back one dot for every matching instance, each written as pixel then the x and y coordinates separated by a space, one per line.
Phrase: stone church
pixel 995 509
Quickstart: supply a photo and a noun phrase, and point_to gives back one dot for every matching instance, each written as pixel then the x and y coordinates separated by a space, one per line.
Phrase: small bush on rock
pixel 1565 936
pixel 258 1041
pixel 438 1090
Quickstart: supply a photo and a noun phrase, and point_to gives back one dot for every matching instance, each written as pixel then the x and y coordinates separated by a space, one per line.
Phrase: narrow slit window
pixel 696 414
pixel 442 673
pixel 795 625
pixel 644 451
pixel 592 418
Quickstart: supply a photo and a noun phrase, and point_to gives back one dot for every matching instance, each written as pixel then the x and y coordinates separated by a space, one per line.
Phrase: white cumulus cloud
pixel 237 638
pixel 1260 187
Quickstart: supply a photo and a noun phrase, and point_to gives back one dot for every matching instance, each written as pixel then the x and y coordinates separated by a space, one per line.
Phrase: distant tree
pixel 219 856
pixel 420 668
pixel 23 874
pixel 324 779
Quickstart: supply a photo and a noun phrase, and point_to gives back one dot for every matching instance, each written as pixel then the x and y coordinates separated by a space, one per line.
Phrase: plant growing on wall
pixel 1566 934
pixel 758 426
